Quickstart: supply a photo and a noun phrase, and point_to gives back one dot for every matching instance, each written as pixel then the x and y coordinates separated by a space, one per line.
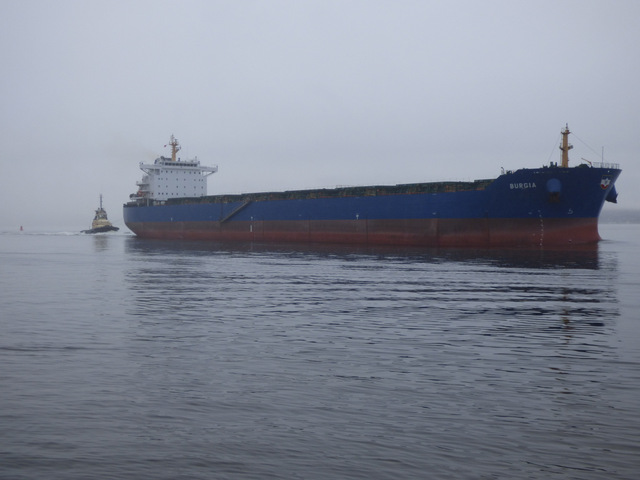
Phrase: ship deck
pixel 351 191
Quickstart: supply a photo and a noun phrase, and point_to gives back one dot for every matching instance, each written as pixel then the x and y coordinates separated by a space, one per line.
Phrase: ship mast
pixel 175 147
pixel 565 147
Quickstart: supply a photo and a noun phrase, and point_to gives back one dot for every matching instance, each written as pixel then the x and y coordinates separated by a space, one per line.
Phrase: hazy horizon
pixel 286 95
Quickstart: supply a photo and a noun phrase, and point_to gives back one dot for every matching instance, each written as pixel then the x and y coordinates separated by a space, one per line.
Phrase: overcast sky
pixel 300 94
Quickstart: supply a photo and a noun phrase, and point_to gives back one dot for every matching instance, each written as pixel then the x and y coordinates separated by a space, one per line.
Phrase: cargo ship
pixel 551 206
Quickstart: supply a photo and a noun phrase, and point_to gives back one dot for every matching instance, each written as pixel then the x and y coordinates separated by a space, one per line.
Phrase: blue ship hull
pixel 529 207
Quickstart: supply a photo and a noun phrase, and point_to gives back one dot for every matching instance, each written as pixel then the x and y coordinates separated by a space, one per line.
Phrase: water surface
pixel 126 358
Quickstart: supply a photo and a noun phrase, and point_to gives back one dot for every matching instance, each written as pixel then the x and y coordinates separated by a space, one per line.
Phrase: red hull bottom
pixel 495 232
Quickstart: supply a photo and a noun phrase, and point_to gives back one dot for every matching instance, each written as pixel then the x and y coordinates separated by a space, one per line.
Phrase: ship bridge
pixel 167 178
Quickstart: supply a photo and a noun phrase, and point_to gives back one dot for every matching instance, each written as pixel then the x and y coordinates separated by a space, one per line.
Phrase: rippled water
pixel 124 358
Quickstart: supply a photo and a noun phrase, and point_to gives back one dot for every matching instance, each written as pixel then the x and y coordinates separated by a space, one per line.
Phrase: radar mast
pixel 175 147
pixel 565 147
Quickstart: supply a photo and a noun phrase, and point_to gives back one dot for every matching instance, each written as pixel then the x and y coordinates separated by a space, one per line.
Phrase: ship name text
pixel 522 186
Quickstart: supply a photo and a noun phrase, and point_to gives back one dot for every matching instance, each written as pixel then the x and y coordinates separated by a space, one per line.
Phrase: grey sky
pixel 299 94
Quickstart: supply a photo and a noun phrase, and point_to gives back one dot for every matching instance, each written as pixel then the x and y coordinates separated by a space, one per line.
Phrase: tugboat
pixel 100 222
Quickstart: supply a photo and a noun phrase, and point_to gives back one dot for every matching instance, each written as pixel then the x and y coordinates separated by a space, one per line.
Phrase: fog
pixel 301 94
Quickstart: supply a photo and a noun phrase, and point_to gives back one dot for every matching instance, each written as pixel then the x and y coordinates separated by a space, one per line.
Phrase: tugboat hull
pixel 104 229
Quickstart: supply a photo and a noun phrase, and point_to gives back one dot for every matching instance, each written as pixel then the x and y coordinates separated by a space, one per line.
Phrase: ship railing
pixel 613 166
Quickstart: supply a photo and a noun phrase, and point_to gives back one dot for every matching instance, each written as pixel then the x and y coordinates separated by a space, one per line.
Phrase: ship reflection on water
pixel 498 290
pixel 445 352
pixel 579 256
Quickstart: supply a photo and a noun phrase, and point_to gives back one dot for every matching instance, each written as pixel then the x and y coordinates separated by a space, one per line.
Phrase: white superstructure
pixel 172 177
